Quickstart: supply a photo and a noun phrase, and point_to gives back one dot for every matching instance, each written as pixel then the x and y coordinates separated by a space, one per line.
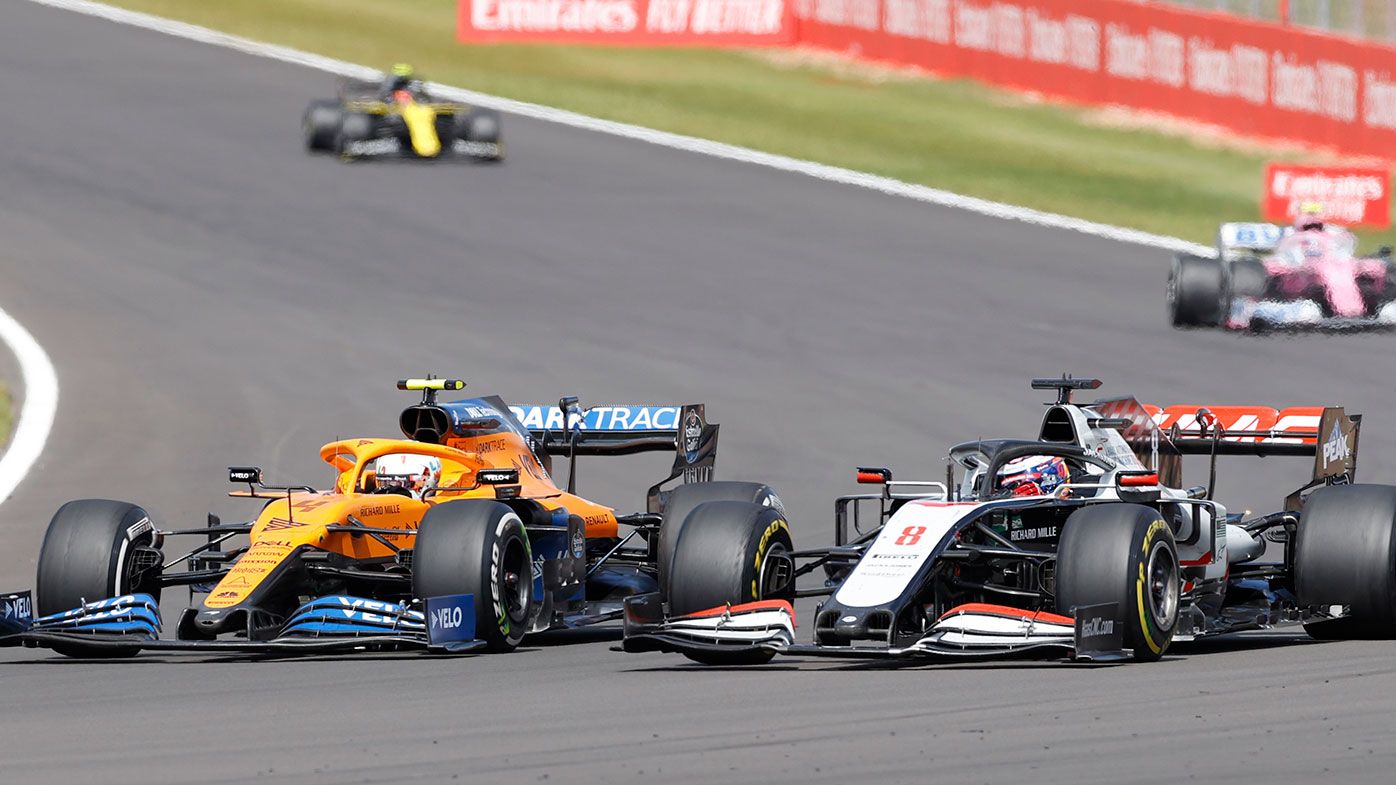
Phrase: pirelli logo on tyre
pixel 1155 635
pixel 762 545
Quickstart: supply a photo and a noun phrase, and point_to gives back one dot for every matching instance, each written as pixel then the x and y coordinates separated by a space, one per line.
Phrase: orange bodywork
pixel 297 519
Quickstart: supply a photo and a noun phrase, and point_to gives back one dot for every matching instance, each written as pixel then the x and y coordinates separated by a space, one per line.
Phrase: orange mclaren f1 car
pixel 453 539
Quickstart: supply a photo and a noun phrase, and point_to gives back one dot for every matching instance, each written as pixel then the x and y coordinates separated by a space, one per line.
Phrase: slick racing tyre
pixel 95 549
pixel 478 125
pixel 1389 295
pixel 1195 289
pixel 731 552
pixel 685 498
pixel 321 125
pixel 478 547
pixel 1124 554
pixel 1345 554
pixel 481 127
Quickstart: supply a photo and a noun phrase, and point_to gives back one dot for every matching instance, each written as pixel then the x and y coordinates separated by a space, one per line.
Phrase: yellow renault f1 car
pixel 453 539
pixel 399 118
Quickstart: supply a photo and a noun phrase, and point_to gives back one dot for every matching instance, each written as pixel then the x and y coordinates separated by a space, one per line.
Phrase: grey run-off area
pixel 212 296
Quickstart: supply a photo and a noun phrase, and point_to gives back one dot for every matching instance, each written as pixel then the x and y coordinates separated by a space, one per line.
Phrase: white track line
pixel 40 405
pixel 691 144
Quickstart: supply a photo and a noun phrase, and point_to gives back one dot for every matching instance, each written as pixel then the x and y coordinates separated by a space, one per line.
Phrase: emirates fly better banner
pixel 1348 195
pixel 634 22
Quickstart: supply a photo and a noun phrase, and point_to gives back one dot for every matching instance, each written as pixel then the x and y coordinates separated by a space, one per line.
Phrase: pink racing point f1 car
pixel 1269 277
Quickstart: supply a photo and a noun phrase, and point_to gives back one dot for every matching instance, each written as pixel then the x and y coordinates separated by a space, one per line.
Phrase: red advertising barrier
pixel 628 22
pixel 1252 77
pixel 1255 78
pixel 1348 195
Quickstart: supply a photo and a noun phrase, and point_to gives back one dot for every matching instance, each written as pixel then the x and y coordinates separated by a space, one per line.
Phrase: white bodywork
pixel 911 536
pixel 906 541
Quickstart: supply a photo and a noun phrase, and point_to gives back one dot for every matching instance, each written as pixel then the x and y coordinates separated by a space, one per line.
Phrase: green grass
pixel 951 134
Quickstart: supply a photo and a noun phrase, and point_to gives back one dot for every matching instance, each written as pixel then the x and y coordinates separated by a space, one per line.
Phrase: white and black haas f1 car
pixel 1078 543
pixel 399 118
pixel 1267 277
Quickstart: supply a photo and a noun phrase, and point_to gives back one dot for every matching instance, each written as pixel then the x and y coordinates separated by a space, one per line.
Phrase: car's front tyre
pixel 731 552
pixel 93 551
pixel 1122 554
pixel 478 547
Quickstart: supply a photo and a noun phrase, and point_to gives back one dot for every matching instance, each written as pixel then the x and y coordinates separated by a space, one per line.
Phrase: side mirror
pixel 505 481
pixel 251 475
pixel 497 476
pixel 1138 487
pixel 870 476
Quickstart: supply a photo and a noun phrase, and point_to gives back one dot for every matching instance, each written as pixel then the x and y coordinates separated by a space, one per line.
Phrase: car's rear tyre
pixel 321 125
pixel 89 553
pixel 1345 554
pixel 478 547
pixel 731 552
pixel 1122 554
pixel 1195 291
pixel 686 498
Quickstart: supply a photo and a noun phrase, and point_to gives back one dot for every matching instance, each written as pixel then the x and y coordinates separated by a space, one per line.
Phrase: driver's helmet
pixel 402 77
pixel 413 473
pixel 1033 475
pixel 1309 217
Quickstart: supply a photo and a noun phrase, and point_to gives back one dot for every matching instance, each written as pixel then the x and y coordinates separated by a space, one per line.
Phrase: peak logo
pixel 1335 454
pixel 1336 449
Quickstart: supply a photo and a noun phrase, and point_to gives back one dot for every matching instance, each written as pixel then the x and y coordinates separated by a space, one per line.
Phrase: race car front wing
pixel 975 630
pixel 768 625
pixel 325 624
pixel 1253 314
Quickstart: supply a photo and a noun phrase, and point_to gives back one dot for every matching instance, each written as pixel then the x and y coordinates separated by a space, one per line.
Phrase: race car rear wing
pixel 570 430
pixel 1161 435
pixel 614 430
pixel 1235 240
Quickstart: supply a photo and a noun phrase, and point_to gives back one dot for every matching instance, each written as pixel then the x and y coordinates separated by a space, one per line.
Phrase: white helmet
pixel 406 470
pixel 1033 475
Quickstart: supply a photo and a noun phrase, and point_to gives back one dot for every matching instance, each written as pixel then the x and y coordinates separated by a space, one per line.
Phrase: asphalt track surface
pixel 212 296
